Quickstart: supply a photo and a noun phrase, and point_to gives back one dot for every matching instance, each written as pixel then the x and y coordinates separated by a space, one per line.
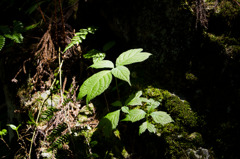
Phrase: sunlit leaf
pixel 146 126
pixel 151 128
pixel 12 126
pixel 122 73
pixel 113 117
pixel 125 109
pixel 134 99
pixel 3 132
pixel 143 127
pixel 95 85
pixel 153 103
pixel 109 122
pixel 131 56
pixel 135 115
pixel 161 117
pixel 79 37
pixel 103 64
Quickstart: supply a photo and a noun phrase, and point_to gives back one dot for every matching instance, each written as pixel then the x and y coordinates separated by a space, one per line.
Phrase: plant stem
pixel 39 112
pixel 60 74
pixel 5 143
pixel 117 89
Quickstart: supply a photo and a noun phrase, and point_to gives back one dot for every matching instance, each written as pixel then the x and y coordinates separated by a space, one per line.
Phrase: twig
pixel 237 2
pixel 41 13
pixel 5 143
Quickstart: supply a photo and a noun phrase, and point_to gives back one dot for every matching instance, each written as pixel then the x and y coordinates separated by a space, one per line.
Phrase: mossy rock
pixel 179 135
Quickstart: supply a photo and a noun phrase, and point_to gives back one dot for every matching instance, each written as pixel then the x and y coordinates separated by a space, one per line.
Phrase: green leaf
pixel 113 117
pixel 108 46
pixel 135 115
pixel 3 132
pixel 2 42
pixel 147 126
pixel 109 122
pixel 161 117
pixel 125 109
pixel 32 26
pixel 79 37
pixel 12 127
pixel 16 37
pixel 95 55
pixel 122 73
pixel 117 103
pixel 151 128
pixel 144 99
pixel 103 64
pixel 134 100
pixel 131 56
pixel 153 103
pixel 95 85
pixel 143 127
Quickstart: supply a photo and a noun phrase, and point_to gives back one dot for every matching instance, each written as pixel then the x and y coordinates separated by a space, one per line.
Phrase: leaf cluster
pixel 99 82
pixel 134 113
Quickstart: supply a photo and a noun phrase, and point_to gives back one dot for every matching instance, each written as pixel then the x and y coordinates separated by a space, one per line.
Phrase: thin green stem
pixel 40 109
pixel 118 94
pixel 60 73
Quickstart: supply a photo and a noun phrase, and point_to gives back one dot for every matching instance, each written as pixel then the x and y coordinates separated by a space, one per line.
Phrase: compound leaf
pixel 95 85
pixel 122 73
pixel 131 56
pixel 161 117
pixel 135 115
pixel 103 64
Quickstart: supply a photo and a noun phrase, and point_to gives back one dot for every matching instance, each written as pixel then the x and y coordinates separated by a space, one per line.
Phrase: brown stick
pixel 237 2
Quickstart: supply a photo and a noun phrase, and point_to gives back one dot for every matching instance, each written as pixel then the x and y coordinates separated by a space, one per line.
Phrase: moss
pixel 177 135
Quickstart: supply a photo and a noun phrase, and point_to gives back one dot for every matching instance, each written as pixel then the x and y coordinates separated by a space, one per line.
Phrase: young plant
pixel 148 112
pixel 99 82
pixel 3 132
pixel 14 128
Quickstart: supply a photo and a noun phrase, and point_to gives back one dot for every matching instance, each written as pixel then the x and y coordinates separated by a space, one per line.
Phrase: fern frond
pixel 48 114
pixel 79 37
pixel 16 37
pixel 60 141
pixel 56 132
pixel 2 42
